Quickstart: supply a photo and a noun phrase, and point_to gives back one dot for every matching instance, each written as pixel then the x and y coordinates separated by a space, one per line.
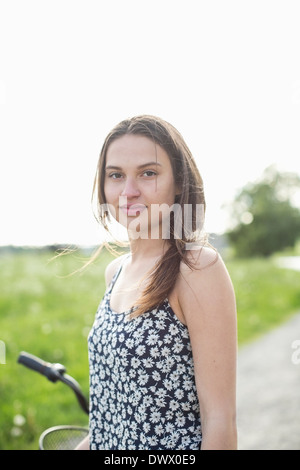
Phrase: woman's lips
pixel 133 209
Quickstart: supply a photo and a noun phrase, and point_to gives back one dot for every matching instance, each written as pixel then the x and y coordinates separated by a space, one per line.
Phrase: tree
pixel 265 218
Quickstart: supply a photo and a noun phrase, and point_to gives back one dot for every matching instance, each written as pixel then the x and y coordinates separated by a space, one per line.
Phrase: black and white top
pixel 142 385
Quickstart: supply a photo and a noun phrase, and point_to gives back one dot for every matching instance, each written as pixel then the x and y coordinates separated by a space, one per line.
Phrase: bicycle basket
pixel 62 437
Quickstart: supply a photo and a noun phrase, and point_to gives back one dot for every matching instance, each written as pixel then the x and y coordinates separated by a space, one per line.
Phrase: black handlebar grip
pixel 52 371
pixel 33 362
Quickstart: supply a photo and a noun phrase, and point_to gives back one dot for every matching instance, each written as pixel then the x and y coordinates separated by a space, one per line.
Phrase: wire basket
pixel 62 437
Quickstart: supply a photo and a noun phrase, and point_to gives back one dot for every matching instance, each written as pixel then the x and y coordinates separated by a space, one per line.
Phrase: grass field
pixel 48 313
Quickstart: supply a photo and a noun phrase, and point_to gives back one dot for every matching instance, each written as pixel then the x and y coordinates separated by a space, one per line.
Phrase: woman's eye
pixel 115 175
pixel 149 173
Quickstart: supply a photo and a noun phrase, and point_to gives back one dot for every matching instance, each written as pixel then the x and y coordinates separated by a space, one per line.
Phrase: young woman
pixel 162 350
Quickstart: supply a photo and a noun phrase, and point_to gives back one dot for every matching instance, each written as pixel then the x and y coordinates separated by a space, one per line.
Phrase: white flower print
pixel 159 429
pixel 168 339
pixel 148 401
pixel 129 343
pixel 140 350
pixel 174 405
pixel 143 379
pixel 161 393
pixel 185 441
pixel 169 415
pixel 169 428
pixel 173 329
pixel 180 421
pixel 155 416
pixel 168 384
pixel 191 397
pixel 177 348
pixel 124 361
pixel 161 315
pixel 186 406
pixel 181 368
pixel 179 394
pixel 153 441
pixel 169 362
pixel 160 324
pixel 138 336
pixel 146 427
pixel 148 323
pixel 154 352
pixel 187 384
pixel 165 351
pixel 148 362
pixel 160 402
pixel 135 362
pixel 156 376
pixel 152 339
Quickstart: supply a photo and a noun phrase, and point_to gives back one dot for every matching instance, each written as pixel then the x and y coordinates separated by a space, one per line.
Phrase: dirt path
pixel 269 391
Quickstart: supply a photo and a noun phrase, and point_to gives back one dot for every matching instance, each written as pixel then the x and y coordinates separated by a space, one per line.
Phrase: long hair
pixel 162 278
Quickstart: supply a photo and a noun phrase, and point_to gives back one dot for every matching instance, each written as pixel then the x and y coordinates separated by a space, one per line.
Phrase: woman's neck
pixel 147 249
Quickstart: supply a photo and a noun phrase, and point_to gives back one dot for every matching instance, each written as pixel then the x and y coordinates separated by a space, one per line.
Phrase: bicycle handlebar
pixel 51 371
pixel 54 372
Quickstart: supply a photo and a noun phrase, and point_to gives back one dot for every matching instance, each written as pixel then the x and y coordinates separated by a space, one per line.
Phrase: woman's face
pixel 138 181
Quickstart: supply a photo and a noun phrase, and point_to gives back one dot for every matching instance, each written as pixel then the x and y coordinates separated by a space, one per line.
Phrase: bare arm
pixel 208 303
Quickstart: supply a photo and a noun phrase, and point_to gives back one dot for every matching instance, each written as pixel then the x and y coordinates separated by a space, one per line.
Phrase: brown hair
pixel 187 177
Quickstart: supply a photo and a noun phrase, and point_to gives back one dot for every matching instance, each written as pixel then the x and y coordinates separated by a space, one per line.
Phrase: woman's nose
pixel 130 188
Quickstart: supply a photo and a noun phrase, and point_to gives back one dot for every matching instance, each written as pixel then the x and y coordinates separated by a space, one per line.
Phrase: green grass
pixel 266 295
pixel 48 313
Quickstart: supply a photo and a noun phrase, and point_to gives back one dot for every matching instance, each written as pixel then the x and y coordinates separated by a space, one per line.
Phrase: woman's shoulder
pixel 200 259
pixel 205 282
pixel 113 266
pixel 204 270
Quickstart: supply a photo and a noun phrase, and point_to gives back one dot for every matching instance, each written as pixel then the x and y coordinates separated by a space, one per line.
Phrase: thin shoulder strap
pixel 116 275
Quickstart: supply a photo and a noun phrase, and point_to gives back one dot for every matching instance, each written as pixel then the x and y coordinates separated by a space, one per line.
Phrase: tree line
pixel 265 215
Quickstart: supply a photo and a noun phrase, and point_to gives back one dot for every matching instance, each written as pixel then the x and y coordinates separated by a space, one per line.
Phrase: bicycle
pixel 58 437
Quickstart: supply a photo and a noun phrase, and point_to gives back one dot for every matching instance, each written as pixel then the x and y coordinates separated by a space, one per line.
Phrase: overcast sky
pixel 225 73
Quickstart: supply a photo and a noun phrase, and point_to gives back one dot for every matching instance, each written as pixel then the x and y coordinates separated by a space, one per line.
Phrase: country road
pixel 268 396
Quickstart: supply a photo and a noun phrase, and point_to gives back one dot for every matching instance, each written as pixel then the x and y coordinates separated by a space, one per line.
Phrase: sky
pixel 226 74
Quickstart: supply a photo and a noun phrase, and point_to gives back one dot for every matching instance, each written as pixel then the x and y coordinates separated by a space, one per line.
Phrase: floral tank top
pixel 142 386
